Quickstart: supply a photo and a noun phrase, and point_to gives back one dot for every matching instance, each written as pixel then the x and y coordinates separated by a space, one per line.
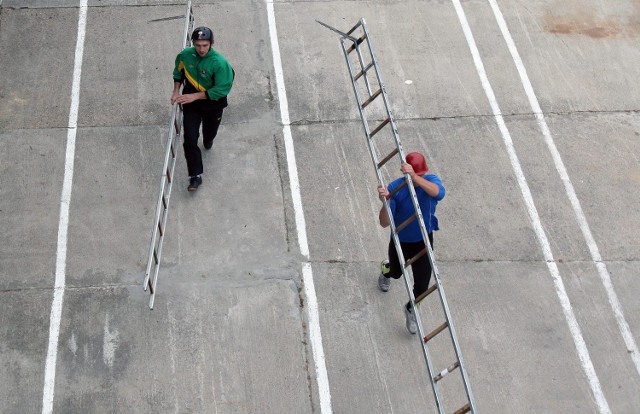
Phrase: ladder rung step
pixel 387 158
pixel 160 229
pixel 150 286
pixel 379 127
pixel 443 373
pixel 464 409
pixel 415 258
pixel 356 43
pixel 435 332
pixel 176 126
pixel 354 28
pixel 164 201
pixel 371 98
pixel 398 188
pixel 426 293
pixel 406 223
pixel 155 255
pixel 173 150
pixel 363 71
pixel 168 175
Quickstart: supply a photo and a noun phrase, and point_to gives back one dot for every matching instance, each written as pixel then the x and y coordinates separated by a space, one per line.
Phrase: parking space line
pixel 574 328
pixel 603 272
pixel 315 336
pixel 63 224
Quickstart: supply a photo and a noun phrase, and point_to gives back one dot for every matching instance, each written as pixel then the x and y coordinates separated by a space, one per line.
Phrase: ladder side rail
pixel 167 201
pixel 456 345
pixel 396 240
pixel 362 65
pixel 159 204
pixel 155 246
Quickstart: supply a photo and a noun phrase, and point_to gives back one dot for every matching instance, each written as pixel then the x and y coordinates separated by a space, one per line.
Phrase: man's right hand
pixel 383 192
pixel 174 97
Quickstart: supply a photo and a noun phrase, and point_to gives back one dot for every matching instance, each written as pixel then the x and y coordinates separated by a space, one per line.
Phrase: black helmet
pixel 202 33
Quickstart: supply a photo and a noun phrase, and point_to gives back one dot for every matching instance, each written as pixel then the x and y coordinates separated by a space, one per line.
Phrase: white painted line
pixel 315 336
pixel 574 327
pixel 605 277
pixel 63 224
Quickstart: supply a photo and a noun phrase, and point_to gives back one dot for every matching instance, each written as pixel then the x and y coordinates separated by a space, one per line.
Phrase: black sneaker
pixel 208 144
pixel 194 183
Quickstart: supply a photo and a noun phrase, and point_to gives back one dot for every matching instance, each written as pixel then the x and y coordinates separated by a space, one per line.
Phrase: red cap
pixel 418 163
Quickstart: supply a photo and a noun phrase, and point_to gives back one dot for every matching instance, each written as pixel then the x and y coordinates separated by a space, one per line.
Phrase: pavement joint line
pixel 581 218
pixel 63 225
pixel 315 336
pixel 572 322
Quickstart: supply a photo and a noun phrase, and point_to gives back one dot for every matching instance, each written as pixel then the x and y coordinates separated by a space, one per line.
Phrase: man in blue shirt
pixel 429 190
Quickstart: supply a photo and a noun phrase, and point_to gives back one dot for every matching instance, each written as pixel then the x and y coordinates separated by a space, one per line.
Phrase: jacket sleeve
pixel 178 76
pixel 224 75
pixel 436 180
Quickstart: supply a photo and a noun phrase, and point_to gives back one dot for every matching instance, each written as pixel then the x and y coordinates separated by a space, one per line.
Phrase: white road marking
pixel 63 224
pixel 605 277
pixel 315 336
pixel 574 327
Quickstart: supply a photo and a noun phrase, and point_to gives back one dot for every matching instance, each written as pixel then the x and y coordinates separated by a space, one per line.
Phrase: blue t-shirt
pixel 402 208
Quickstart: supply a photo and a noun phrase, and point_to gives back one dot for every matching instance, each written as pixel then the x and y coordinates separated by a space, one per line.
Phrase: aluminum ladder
pixel 366 92
pixel 166 182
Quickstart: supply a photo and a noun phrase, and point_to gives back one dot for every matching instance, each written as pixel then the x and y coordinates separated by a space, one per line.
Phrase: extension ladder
pixel 166 182
pixel 352 41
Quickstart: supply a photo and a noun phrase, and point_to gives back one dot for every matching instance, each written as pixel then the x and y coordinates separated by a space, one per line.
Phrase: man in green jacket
pixel 207 79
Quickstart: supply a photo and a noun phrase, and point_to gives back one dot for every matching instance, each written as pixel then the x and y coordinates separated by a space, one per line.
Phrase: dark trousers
pixel 194 115
pixel 421 268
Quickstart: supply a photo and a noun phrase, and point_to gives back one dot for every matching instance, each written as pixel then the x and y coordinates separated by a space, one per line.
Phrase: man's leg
pixel 421 269
pixel 192 153
pixel 210 123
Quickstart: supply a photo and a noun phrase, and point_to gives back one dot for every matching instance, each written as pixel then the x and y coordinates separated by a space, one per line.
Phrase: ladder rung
pixel 363 71
pixel 176 126
pixel 168 175
pixel 371 98
pixel 356 43
pixel 160 229
pixel 354 28
pixel 464 409
pixel 426 293
pixel 406 223
pixel 398 188
pixel 155 256
pixel 435 332
pixel 415 258
pixel 164 201
pixel 150 286
pixel 443 373
pixel 379 127
pixel 173 150
pixel 387 158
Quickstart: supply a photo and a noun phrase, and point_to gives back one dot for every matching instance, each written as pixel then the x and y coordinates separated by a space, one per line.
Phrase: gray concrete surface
pixel 229 332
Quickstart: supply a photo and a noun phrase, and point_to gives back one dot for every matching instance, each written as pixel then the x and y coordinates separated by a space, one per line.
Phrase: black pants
pixel 421 267
pixel 194 115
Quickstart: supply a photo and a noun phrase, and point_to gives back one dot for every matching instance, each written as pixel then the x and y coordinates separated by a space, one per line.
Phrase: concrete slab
pixel 444 82
pixel 580 56
pixel 38 46
pixel 236 220
pixel 601 153
pixel 209 347
pixel 116 184
pixel 482 216
pixel 31 171
pixel 24 328
pixel 135 87
pixel 610 356
pixel 512 341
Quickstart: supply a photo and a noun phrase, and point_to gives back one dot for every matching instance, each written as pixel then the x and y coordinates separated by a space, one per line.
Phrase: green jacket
pixel 211 74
